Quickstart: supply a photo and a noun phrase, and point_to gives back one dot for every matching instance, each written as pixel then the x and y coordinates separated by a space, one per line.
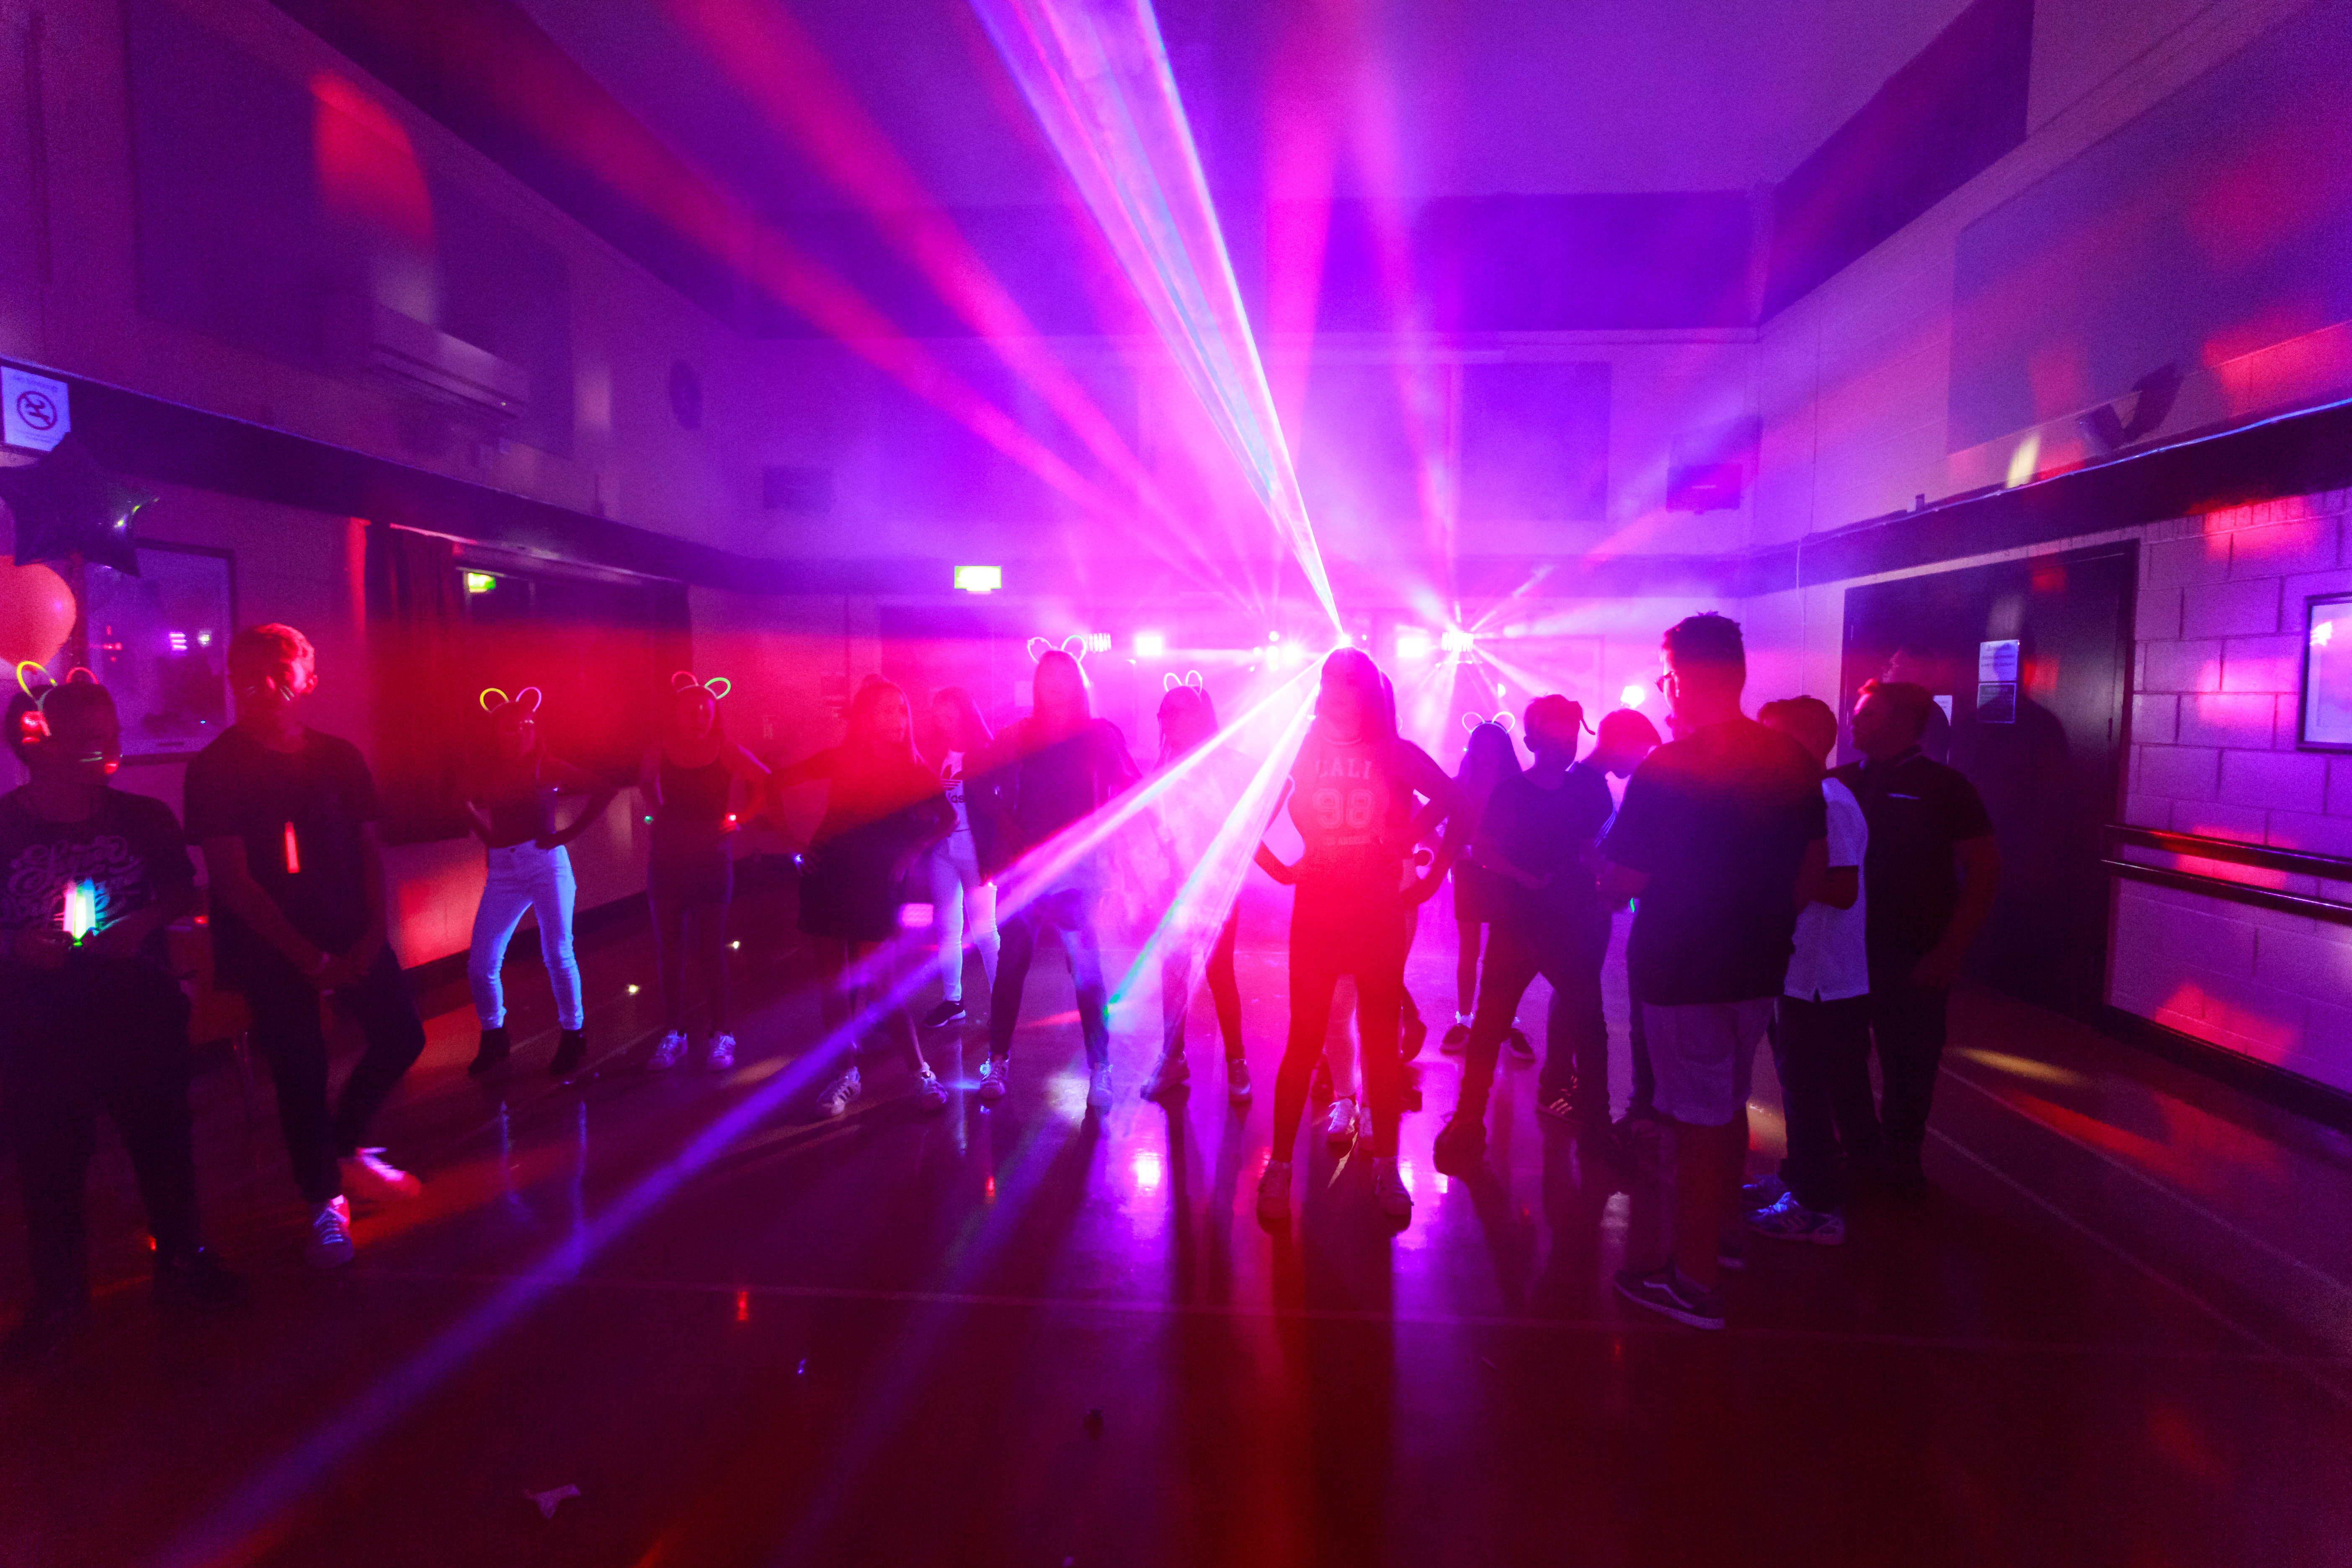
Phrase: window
pixel 158 642
pixel 2327 674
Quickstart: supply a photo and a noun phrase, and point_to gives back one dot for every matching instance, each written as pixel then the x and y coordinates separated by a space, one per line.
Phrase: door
pixel 2032 660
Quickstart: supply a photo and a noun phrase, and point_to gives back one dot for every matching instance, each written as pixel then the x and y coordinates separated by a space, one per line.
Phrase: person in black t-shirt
pixel 1052 769
pixel 884 810
pixel 287 819
pixel 90 1012
pixel 1928 877
pixel 1535 840
pixel 1723 838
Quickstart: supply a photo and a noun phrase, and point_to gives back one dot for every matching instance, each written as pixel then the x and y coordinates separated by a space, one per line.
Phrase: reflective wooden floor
pixel 2119 1330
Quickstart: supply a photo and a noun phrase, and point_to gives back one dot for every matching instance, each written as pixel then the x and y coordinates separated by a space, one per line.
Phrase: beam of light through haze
pixel 1096 73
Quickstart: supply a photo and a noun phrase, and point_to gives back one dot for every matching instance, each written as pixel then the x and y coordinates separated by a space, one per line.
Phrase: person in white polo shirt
pixel 1821 1036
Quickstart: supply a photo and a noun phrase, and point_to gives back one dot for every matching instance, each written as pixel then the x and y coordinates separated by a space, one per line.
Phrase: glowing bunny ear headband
pixel 35 724
pixel 1508 724
pixel 1075 645
pixel 1190 677
pixel 492 699
pixel 717 686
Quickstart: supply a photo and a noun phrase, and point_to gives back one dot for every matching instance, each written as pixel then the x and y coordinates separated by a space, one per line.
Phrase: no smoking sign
pixel 35 410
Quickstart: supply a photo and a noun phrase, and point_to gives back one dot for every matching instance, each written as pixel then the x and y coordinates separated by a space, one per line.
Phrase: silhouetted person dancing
pixel 91 1014
pixel 884 813
pixel 1356 782
pixel 1536 840
pixel 287 818
pixel 511 805
pixel 1721 836
pixel 1050 771
pixel 1929 879
pixel 1821 1026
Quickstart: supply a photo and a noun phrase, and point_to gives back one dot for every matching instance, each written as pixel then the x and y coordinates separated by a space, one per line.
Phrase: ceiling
pixel 1421 98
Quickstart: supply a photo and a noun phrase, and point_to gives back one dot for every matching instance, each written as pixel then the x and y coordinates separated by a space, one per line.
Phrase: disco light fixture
pixel 979 579
pixel 1412 643
pixel 1457 641
pixel 1150 645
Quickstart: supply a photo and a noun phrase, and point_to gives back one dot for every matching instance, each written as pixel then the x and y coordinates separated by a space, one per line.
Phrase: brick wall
pixel 2214 731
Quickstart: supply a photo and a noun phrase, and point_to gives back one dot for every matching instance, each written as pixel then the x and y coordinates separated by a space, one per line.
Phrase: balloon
pixel 37 613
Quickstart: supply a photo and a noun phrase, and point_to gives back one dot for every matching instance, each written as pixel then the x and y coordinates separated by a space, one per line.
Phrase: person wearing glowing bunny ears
pixel 511 805
pixel 700 785
pixel 91 1014
pixel 287 818
pixel 1047 772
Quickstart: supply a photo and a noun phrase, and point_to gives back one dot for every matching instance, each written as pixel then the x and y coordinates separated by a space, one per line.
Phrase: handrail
pixel 2236 852
pixel 2234 892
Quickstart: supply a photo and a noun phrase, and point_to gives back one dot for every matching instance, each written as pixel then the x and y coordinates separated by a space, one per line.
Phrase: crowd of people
pixel 1771 897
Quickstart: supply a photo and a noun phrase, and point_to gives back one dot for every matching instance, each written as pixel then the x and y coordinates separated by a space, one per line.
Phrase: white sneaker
pixel 722 1053
pixel 995 1079
pixel 1273 1191
pixel 668 1054
pixel 1098 1090
pixel 330 1246
pixel 369 1177
pixel 1340 1126
pixel 837 1098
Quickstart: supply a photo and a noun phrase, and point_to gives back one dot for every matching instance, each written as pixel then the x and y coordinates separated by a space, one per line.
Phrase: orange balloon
pixel 37 613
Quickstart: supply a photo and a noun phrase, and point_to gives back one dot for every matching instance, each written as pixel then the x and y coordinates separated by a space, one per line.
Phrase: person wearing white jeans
pixel 958 895
pixel 523 877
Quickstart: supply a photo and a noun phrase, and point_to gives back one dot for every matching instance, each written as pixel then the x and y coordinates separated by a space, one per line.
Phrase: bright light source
pixel 204 639
pixel 1098 642
pixel 632 991
pixel 914 917
pixel 479 581
pixel 1457 641
pixel 81 909
pixel 1412 642
pixel 1634 694
pixel 179 641
pixel 735 947
pixel 980 579
pixel 1273 636
pixel 1150 645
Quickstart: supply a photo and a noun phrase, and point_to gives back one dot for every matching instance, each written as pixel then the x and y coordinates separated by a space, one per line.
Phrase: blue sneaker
pixel 1786 1219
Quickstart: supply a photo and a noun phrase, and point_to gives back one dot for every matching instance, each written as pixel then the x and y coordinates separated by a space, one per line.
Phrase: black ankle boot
pixel 569 1052
pixel 493 1051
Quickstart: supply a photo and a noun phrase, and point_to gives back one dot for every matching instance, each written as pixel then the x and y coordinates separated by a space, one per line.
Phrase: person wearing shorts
pixel 1722 836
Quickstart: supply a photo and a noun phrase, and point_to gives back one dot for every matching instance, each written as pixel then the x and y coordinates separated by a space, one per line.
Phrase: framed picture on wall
pixel 2326 715
pixel 158 641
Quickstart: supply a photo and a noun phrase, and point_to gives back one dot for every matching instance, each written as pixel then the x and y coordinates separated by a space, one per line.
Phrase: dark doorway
pixel 2032 661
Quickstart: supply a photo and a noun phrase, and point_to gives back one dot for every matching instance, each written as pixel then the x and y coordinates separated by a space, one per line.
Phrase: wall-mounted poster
pixel 158 641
